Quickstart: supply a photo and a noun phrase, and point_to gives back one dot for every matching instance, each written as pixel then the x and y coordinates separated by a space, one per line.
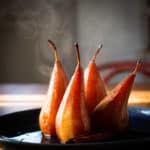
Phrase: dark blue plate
pixel 20 131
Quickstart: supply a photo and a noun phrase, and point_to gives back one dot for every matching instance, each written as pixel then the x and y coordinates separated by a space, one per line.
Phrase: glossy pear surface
pixel 72 118
pixel 112 112
pixel 56 89
pixel 94 87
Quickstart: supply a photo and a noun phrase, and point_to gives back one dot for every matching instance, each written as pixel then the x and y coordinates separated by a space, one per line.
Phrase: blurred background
pixel 25 26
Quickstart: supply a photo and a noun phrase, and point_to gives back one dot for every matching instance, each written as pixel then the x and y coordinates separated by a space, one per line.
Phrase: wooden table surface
pixel 17 97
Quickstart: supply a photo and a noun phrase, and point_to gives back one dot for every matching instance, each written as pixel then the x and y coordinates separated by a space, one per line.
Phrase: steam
pixel 55 24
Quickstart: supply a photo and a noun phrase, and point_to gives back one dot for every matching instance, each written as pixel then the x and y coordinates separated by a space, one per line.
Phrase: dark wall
pixel 25 27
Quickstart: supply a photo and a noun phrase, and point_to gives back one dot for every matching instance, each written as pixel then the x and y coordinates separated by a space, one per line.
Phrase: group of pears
pixel 82 105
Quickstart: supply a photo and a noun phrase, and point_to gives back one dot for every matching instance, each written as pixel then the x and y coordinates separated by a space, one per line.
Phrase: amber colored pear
pixel 112 112
pixel 72 118
pixel 94 87
pixel 57 87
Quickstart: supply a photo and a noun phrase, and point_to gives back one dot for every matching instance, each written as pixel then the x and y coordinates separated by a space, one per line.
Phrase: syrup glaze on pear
pixel 72 118
pixel 57 87
pixel 94 87
pixel 112 112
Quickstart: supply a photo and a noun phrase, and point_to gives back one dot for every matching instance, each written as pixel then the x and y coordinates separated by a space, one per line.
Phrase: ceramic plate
pixel 20 131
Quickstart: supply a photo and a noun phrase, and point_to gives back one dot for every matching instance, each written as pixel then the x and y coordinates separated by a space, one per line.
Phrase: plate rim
pixel 6 140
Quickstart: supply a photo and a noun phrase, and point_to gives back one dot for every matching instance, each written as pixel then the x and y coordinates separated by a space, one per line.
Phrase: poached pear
pixel 56 89
pixel 112 112
pixel 72 117
pixel 94 87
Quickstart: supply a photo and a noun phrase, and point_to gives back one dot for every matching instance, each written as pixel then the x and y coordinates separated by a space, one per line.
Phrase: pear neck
pixel 96 52
pixel 136 67
pixel 56 55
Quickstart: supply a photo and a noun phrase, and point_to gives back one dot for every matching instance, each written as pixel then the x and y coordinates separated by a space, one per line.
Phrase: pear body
pixel 72 117
pixel 94 87
pixel 57 87
pixel 112 112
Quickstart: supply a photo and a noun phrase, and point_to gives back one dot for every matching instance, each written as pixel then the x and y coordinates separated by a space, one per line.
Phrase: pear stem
pixel 51 44
pixel 97 52
pixel 77 52
pixel 137 67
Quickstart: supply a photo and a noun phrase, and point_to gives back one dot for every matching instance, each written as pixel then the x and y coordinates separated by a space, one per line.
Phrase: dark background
pixel 25 26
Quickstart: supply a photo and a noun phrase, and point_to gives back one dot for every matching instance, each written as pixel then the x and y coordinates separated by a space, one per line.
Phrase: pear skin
pixel 57 87
pixel 112 112
pixel 72 118
pixel 94 87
